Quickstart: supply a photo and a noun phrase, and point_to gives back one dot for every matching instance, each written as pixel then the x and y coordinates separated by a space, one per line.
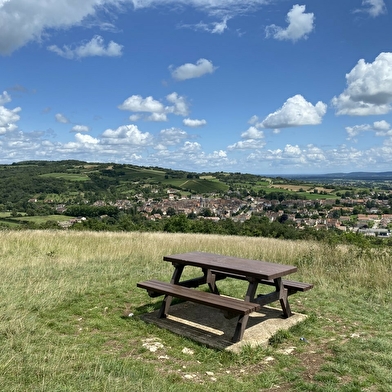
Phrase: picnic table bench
pixel 218 267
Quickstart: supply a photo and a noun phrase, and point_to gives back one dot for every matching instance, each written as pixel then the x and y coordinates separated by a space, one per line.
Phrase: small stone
pixel 188 351
pixel 153 346
pixel 210 373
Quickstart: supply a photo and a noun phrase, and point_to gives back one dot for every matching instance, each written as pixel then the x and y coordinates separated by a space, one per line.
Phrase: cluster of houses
pixel 315 213
pixel 319 213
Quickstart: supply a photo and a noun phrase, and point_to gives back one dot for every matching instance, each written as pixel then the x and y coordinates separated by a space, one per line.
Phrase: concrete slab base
pixel 208 326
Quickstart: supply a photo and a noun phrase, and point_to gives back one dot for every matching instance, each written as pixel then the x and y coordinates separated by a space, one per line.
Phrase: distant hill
pixel 358 176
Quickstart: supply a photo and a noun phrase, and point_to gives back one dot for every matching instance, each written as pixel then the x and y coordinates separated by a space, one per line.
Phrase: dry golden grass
pixel 317 262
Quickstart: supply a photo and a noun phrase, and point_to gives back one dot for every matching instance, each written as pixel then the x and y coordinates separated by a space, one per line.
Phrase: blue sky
pixel 251 86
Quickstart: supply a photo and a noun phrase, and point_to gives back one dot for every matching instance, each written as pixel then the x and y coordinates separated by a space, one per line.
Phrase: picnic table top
pixel 234 265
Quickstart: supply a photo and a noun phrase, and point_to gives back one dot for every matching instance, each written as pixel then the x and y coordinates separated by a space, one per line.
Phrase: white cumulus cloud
pixel 194 123
pixel 296 111
pixel 4 98
pixel 8 118
pixel 369 88
pixel 300 24
pixel 191 71
pixel 158 111
pixel 252 133
pixel 94 47
pixel 137 103
pixel 252 140
pixel 381 128
pixel 126 134
pixel 381 125
pixel 22 21
pixel 180 106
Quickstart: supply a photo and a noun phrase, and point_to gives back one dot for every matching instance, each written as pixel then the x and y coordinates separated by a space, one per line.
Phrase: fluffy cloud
pixel 300 24
pixel 83 144
pixel 369 88
pixel 158 111
pixel 295 112
pixel 4 98
pixel 95 47
pixel 381 128
pixel 252 140
pixel 194 123
pixel 381 125
pixel 61 118
pixel 136 103
pixel 171 136
pixel 157 117
pixel 126 134
pixel 191 71
pixel 8 117
pixel 373 7
pixel 80 128
pixel 22 21
pixel 180 106
pixel 293 156
pixel 252 133
pixel 86 139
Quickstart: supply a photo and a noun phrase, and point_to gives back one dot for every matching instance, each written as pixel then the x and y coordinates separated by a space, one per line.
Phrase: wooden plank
pixel 224 303
pixel 291 285
pixel 235 265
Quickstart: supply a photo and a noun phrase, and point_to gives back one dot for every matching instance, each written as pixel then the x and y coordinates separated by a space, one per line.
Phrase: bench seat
pixel 291 285
pixel 228 304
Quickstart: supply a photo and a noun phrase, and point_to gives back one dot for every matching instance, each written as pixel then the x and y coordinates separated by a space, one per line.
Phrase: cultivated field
pixel 69 317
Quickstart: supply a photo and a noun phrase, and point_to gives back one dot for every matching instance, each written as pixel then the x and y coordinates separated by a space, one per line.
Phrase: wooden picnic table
pixel 216 267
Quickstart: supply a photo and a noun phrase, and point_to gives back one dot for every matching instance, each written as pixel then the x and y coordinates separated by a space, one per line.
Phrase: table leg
pixel 251 292
pixel 211 281
pixel 243 319
pixel 283 297
pixel 178 269
pixel 240 328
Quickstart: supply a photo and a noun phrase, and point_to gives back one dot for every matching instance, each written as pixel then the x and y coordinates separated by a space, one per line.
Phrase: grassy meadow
pixel 69 317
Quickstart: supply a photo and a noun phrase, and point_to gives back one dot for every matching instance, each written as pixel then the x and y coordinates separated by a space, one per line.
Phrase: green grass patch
pixel 70 317
pixel 198 185
pixel 67 176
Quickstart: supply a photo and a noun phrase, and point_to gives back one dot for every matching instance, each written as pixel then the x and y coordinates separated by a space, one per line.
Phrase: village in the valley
pixel 365 215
